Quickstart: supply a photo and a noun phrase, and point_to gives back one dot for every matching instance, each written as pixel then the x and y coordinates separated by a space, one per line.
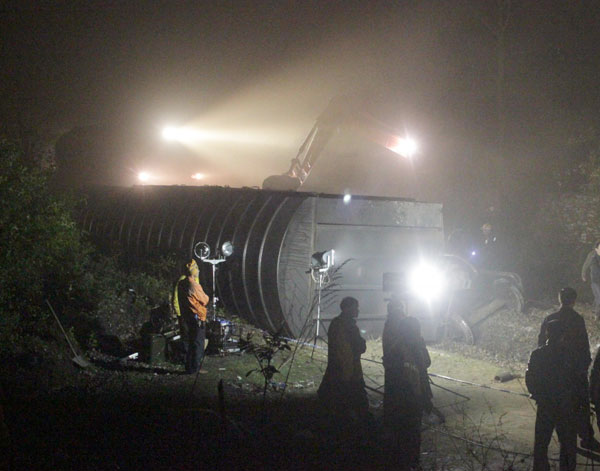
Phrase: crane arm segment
pixel 340 113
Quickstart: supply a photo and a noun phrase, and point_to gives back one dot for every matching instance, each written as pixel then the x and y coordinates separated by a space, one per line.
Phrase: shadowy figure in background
pixel 578 356
pixel 192 301
pixel 592 264
pixel 595 386
pixel 489 256
pixel 342 390
pixel 407 392
pixel 552 382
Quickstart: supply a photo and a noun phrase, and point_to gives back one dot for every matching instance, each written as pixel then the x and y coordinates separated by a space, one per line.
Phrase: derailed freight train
pixel 269 280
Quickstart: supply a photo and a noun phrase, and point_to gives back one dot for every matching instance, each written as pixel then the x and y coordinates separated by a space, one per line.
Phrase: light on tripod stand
pixel 320 263
pixel 202 251
pixel 216 328
pixel 322 260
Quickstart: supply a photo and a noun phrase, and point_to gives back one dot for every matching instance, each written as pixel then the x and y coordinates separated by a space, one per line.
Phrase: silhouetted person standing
pixel 342 390
pixel 551 380
pixel 595 385
pixel 407 393
pixel 592 264
pixel 578 356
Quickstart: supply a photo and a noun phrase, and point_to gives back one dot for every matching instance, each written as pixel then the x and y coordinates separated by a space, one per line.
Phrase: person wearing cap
pixel 592 264
pixel 177 310
pixel 578 356
pixel 342 390
pixel 191 302
pixel 552 382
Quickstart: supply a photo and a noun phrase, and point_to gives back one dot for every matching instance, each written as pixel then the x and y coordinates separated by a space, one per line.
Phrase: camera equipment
pixel 220 334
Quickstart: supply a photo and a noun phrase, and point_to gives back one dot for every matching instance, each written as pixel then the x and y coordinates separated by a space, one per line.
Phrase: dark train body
pixel 267 280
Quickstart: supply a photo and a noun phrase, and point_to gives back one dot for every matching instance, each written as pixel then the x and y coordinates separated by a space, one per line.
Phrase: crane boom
pixel 341 112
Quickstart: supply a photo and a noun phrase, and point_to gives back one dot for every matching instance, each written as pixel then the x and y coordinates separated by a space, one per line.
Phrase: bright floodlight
pixel 406 147
pixel 347 198
pixel 426 281
pixel 169 133
pixel 182 134
pixel 144 177
pixel 198 176
pixel 322 261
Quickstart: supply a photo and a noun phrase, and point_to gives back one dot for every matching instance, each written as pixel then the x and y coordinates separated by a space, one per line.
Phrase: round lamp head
pixel 202 250
pixel 227 249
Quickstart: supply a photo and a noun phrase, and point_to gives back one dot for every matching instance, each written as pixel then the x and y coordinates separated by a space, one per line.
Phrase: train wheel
pixel 457 330
pixel 510 294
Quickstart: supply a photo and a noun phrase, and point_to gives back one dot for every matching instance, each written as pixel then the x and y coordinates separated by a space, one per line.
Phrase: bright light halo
pixel 406 147
pixel 144 177
pixel 426 281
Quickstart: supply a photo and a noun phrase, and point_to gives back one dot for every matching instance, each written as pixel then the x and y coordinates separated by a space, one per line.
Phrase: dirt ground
pixel 130 415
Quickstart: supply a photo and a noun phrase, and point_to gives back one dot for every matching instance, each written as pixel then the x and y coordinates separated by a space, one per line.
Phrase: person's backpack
pixel 547 375
pixel 534 375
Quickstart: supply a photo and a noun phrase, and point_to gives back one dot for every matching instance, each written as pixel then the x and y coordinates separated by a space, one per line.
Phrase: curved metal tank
pixel 267 280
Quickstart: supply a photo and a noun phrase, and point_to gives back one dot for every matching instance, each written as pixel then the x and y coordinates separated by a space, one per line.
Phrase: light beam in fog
pixel 406 147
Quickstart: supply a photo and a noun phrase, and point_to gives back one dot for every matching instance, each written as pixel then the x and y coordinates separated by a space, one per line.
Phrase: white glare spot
pixel 426 281
pixel 198 176
pixel 143 177
pixel 406 147
pixel 170 133
pixel 347 198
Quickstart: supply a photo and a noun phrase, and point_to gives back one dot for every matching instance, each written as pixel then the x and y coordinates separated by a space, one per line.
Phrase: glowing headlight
pixel 144 177
pixel 426 281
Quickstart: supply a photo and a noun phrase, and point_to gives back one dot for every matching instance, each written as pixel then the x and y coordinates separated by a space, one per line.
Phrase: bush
pixel 119 297
pixel 41 252
pixel 45 256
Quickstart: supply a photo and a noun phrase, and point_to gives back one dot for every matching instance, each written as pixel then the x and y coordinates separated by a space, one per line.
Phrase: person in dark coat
pixel 575 335
pixel 592 264
pixel 595 385
pixel 552 382
pixel 342 390
pixel 407 393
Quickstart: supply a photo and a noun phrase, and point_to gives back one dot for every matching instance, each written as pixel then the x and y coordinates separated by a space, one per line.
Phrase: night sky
pixel 117 72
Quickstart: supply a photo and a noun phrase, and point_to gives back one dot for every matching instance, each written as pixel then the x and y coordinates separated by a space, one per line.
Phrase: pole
pixel 319 287
pixel 214 292
pixel 319 304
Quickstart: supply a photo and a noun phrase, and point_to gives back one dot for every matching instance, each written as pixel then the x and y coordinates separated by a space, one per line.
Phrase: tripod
pixel 214 263
pixel 202 251
pixel 321 274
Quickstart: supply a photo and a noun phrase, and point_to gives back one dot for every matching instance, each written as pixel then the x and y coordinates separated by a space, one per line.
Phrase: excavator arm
pixel 341 112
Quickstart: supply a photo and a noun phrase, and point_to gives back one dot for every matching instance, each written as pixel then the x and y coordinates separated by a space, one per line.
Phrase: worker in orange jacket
pixel 176 309
pixel 190 303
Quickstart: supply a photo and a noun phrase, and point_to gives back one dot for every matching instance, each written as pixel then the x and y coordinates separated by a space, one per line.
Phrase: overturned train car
pixel 267 280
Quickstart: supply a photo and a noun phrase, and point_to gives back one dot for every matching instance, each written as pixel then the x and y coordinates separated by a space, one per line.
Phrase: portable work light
pixel 426 281
pixel 322 260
